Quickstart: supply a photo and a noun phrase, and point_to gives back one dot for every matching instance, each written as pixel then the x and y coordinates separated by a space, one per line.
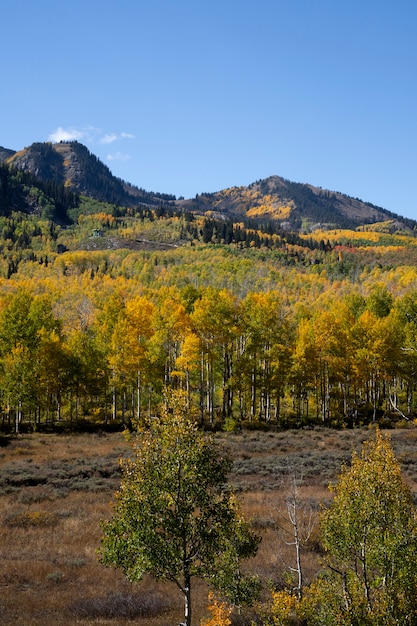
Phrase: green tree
pixel 22 318
pixel 370 535
pixel 173 517
pixel 379 301
pixel 25 323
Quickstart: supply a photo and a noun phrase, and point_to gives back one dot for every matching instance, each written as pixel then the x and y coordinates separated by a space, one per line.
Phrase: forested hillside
pixel 24 193
pixel 297 207
pixel 72 165
pixel 258 325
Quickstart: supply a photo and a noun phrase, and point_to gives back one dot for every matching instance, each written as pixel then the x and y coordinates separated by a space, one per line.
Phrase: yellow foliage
pixel 101 217
pixel 283 609
pixel 230 191
pixel 368 236
pixel 189 359
pixel 220 613
pixel 273 209
pixel 377 226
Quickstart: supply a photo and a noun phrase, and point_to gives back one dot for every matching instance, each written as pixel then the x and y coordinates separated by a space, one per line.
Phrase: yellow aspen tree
pixel 369 533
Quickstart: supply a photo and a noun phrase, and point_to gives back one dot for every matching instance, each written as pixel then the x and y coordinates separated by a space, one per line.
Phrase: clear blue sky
pixel 186 96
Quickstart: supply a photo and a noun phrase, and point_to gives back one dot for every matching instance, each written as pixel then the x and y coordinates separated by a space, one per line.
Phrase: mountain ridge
pixel 295 206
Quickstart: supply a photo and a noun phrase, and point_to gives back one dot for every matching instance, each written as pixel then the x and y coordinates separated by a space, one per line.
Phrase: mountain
pixel 71 164
pixel 290 205
pixel 296 206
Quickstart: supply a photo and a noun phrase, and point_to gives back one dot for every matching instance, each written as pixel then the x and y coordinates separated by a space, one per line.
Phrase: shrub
pixel 56 576
pixel 220 613
pixel 40 519
pixel 283 610
pixel 118 604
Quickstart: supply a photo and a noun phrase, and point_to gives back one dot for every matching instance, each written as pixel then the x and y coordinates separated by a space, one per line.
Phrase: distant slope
pixel 295 205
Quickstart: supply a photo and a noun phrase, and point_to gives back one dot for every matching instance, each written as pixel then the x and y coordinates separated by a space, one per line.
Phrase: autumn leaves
pixel 111 353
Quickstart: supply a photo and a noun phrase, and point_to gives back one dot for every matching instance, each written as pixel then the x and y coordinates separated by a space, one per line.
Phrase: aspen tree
pixel 173 517
pixel 370 535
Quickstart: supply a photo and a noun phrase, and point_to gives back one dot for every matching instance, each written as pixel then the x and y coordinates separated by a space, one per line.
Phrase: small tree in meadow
pixel 370 535
pixel 173 516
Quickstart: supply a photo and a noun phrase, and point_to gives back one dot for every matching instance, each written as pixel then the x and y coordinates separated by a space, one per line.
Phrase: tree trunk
pixel 253 398
pixel 202 388
pixel 114 405
pixel 138 398
pixel 187 599
pixel 16 421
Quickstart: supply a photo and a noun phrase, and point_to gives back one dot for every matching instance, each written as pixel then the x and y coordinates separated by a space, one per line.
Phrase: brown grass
pixel 55 489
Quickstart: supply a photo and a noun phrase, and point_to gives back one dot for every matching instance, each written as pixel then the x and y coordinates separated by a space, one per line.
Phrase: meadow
pixel 55 489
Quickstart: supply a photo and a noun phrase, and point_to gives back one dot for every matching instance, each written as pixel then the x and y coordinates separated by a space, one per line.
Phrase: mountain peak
pixel 298 206
pixel 71 164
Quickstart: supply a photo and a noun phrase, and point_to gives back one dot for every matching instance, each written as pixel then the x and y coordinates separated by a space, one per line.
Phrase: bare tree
pixel 296 520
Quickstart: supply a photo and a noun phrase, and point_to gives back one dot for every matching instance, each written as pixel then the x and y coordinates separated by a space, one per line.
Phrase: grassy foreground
pixel 55 489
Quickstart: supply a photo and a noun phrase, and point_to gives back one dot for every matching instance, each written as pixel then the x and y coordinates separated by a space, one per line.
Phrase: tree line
pixel 248 360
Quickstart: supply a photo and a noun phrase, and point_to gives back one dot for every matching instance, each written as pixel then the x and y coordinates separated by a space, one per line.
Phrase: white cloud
pixel 118 156
pixel 109 138
pixel 66 134
pixel 89 134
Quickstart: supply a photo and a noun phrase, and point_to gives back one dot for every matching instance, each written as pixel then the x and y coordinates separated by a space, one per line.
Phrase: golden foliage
pixel 365 238
pixel 220 612
pixel 284 610
pixel 273 209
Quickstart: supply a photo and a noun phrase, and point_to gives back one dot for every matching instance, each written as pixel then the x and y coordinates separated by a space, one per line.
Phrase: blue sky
pixel 187 96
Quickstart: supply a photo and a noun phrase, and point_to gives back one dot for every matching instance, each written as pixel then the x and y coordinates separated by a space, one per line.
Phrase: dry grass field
pixel 55 489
